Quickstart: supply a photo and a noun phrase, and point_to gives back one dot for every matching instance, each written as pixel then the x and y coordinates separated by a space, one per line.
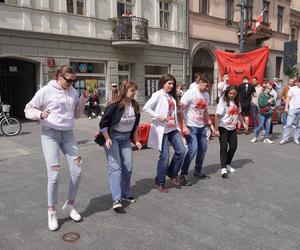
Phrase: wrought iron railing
pixel 130 28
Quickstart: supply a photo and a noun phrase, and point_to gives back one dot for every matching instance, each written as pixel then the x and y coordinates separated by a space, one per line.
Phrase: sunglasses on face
pixel 69 80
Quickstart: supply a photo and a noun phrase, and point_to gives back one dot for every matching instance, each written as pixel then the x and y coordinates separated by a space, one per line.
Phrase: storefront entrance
pixel 17 84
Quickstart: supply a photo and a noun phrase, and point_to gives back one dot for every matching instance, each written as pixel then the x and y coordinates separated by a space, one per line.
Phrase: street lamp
pixel 243 6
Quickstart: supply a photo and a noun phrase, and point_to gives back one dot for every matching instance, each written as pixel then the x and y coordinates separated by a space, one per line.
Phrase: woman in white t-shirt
pixel 227 116
pixel 117 128
pixel 162 107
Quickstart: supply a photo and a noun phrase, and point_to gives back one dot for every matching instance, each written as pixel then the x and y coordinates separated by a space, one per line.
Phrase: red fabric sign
pixel 237 65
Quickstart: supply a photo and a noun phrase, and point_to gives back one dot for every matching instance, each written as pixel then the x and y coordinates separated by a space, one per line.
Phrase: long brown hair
pixel 236 99
pixel 168 77
pixel 63 70
pixel 124 87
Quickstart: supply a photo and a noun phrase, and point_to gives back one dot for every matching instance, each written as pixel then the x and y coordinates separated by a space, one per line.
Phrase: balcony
pixel 263 32
pixel 130 31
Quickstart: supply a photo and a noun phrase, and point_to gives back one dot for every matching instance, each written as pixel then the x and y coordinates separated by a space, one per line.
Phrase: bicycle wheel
pixel 10 126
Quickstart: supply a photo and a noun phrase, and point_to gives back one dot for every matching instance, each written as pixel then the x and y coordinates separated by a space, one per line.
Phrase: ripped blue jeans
pixel 52 142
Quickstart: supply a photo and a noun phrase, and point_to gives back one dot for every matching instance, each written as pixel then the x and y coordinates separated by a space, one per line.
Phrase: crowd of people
pixel 179 118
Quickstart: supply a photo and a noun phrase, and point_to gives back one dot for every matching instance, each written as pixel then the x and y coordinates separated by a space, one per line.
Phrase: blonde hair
pixel 63 70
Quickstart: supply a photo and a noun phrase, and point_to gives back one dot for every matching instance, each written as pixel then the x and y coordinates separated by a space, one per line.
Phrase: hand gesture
pixel 138 144
pixel 45 114
pixel 217 133
pixel 186 130
pixel 108 143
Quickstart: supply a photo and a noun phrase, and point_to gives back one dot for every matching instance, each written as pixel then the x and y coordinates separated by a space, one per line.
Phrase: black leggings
pixel 227 137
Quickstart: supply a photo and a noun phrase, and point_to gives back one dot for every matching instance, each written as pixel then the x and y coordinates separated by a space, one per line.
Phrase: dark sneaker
pixel 117 204
pixel 130 199
pixel 185 181
pixel 161 188
pixel 201 175
pixel 176 181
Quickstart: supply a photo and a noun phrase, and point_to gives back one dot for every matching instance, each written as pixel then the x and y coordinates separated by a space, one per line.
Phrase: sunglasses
pixel 69 80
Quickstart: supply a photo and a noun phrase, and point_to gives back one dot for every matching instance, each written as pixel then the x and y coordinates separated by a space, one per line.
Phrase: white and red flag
pixel 259 20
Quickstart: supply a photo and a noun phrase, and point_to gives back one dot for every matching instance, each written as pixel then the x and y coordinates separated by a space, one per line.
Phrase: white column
pixel 138 9
pixel 113 10
pixel 91 8
pixel 45 5
pixel 25 3
pixel 174 16
pixel 62 7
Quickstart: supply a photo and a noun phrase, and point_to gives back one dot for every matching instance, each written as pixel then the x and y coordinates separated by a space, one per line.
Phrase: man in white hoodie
pixel 56 106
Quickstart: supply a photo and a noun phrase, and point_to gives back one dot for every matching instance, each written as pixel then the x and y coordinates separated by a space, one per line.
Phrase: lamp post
pixel 243 6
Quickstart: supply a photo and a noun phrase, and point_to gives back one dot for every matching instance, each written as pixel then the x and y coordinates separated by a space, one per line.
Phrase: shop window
pixel 164 14
pixel 76 7
pixel 124 71
pixel 278 66
pixel 123 5
pixel 152 76
pixel 90 76
pixel 15 2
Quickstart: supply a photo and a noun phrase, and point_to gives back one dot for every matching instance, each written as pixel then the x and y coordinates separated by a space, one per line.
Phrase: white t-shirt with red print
pixel 229 114
pixel 171 120
pixel 193 104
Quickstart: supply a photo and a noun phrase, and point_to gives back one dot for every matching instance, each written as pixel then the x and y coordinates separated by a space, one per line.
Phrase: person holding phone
pixel 56 106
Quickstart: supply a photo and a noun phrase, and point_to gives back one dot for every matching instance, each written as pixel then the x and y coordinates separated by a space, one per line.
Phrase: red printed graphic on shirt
pixel 199 106
pixel 171 114
pixel 233 113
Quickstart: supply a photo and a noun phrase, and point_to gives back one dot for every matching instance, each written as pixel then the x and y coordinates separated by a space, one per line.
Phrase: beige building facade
pixel 214 24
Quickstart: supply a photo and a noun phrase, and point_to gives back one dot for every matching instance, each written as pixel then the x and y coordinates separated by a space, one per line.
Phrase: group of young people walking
pixel 57 105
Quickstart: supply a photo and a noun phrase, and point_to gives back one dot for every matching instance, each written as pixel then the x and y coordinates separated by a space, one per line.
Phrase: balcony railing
pixel 130 30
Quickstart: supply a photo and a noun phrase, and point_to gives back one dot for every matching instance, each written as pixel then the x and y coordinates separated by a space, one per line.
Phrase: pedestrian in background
pixel 117 128
pixel 245 92
pixel 254 101
pixel 227 116
pixel 266 102
pixel 283 97
pixel 162 107
pixel 193 105
pixel 56 106
pixel 292 108
pixel 113 93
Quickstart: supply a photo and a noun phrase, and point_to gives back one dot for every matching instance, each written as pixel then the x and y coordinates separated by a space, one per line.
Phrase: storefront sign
pixel 51 62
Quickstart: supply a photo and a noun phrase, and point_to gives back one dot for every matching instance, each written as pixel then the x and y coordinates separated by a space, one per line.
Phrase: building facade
pixel 295 28
pixel 102 43
pixel 214 24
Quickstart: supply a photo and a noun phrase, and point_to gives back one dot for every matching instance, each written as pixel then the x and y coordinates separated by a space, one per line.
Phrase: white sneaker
pixel 99 117
pixel 297 141
pixel 224 173
pixel 90 118
pixel 52 221
pixel 254 139
pixel 263 133
pixel 73 213
pixel 230 169
pixel 268 141
pixel 283 141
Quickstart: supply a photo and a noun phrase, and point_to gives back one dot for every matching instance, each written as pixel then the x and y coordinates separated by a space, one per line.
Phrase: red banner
pixel 237 65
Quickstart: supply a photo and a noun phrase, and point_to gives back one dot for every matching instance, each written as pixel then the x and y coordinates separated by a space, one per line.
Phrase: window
pixel 278 66
pixel 90 76
pixel 266 12
pixel 204 6
pixel 293 34
pixel 164 14
pixel 124 72
pixel 248 11
pixel 280 19
pixel 229 11
pixel 152 76
pixel 9 1
pixel 76 7
pixel 123 5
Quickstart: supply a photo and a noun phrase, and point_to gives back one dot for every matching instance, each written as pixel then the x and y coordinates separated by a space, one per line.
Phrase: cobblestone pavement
pixel 256 208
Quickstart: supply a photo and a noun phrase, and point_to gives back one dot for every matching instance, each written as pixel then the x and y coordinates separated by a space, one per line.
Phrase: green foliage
pixel 292 72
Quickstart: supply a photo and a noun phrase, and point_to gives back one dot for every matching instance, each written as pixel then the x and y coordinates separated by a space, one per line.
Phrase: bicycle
pixel 10 126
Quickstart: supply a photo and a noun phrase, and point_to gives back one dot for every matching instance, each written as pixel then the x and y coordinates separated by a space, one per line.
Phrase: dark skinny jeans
pixel 227 137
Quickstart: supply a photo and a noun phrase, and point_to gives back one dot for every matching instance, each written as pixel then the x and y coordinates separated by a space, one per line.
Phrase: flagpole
pixel 242 26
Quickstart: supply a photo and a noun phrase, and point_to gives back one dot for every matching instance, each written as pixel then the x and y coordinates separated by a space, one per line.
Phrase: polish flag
pixel 259 20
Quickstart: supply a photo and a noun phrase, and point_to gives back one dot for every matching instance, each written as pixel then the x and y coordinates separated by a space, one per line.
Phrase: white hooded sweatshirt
pixel 64 106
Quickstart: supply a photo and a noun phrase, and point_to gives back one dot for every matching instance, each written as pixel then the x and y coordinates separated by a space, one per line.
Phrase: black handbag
pixel 99 139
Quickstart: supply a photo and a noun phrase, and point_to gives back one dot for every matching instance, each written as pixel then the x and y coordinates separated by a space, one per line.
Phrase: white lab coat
pixel 158 105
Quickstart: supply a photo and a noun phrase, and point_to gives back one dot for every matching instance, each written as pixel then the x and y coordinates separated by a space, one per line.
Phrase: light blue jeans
pixel 293 118
pixel 52 142
pixel 197 143
pixel 263 120
pixel 119 159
